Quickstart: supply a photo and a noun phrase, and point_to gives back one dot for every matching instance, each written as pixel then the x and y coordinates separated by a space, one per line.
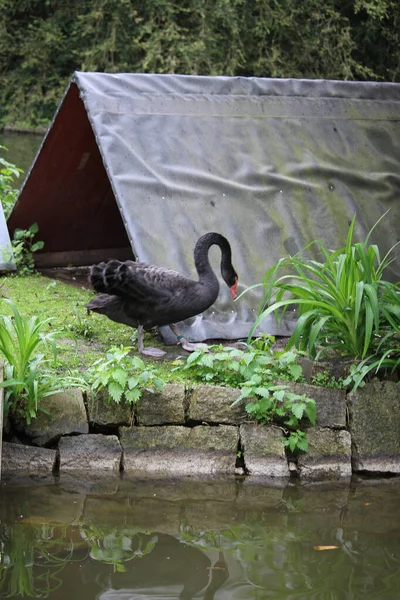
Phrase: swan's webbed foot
pixel 186 345
pixel 190 347
pixel 152 352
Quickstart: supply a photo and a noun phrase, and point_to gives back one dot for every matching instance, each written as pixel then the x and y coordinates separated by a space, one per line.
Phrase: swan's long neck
pixel 201 260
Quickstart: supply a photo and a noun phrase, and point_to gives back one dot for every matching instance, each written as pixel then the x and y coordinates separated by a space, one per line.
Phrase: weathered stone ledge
pixel 196 431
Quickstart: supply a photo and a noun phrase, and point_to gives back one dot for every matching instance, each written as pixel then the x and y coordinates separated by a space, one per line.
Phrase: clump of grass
pixel 81 339
pixel 345 305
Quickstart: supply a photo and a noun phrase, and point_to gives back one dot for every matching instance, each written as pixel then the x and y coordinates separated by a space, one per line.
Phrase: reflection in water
pixel 203 539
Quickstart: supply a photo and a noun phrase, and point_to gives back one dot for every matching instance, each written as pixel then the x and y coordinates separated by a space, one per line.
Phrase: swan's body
pixel 143 296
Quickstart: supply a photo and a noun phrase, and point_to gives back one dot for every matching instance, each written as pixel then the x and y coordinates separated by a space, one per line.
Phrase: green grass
pixel 80 338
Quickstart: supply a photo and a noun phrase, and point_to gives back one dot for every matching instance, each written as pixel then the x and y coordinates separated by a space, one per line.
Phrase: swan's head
pixel 233 287
pixel 231 279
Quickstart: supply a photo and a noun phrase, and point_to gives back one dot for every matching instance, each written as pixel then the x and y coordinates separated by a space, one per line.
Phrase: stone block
pixel 330 403
pixel 104 412
pixel 181 450
pixel 162 408
pixel 374 412
pixel 90 452
pixel 212 404
pixel 263 451
pixel 65 414
pixel 328 455
pixel 16 457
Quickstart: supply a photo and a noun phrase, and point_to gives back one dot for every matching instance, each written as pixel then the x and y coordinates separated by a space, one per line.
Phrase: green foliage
pixel 42 43
pixel 327 381
pixel 295 441
pixel 80 341
pixel 123 375
pixel 8 193
pixel 26 378
pixel 345 305
pixel 23 249
pixel 228 366
pixel 255 372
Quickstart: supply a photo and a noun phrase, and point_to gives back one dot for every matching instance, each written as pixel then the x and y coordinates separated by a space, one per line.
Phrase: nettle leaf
pixel 145 376
pixel 288 357
pixel 221 356
pixel 136 361
pixel 265 360
pixel 248 358
pixel 120 376
pixel 292 443
pixel 245 392
pixel 105 378
pixel 37 246
pixel 296 371
pixel 158 384
pixel 279 394
pixel 207 361
pixel 115 391
pixel 311 411
pixel 193 358
pixel 236 355
pixel 255 379
pixel 262 391
pixel 133 395
pixel 133 382
pixel 298 410
pixel 302 444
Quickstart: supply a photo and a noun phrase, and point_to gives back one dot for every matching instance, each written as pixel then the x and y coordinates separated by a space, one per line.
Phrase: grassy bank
pixel 81 338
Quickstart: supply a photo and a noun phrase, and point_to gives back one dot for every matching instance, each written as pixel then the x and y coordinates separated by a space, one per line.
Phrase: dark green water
pixel 226 539
pixel 21 150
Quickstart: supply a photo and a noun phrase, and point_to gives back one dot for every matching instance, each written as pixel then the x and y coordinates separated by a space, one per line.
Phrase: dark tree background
pixel 42 42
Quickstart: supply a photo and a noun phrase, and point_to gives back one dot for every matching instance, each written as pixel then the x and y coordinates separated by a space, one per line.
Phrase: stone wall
pixel 197 431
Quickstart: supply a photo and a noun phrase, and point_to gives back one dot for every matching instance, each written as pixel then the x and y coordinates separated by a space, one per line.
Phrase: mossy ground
pixel 81 338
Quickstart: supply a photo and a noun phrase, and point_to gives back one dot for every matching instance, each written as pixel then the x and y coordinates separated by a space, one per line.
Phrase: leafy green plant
pixel 345 306
pixel 255 372
pixel 8 193
pixel 233 367
pixel 123 375
pixel 26 378
pixel 323 379
pixel 295 441
pixel 23 249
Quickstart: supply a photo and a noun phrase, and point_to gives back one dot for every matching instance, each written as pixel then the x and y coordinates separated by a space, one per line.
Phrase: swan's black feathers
pixel 136 293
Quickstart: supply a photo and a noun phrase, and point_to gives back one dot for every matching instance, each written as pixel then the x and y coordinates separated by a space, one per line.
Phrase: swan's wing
pixel 138 281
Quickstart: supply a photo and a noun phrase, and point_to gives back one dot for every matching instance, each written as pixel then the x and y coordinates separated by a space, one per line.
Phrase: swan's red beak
pixel 232 289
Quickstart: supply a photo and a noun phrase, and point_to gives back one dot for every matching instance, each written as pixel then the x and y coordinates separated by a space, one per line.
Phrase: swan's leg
pixel 186 345
pixel 154 352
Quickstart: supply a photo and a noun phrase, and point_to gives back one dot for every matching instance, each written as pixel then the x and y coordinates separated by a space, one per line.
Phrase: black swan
pixel 144 296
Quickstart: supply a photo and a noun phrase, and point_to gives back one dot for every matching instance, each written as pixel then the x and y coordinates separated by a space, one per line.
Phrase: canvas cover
pixel 271 164
pixel 7 262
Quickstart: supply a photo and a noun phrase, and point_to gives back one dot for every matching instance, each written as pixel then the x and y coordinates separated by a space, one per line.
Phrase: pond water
pixel 130 539
pixel 21 150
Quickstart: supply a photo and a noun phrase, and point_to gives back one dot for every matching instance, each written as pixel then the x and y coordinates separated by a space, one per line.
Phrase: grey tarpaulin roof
pixel 6 255
pixel 271 164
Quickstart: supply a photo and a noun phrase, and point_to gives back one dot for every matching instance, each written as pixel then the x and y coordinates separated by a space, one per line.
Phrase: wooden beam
pixel 78 258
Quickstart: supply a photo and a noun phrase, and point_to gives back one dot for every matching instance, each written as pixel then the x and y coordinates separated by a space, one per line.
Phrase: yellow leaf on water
pixel 325 547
